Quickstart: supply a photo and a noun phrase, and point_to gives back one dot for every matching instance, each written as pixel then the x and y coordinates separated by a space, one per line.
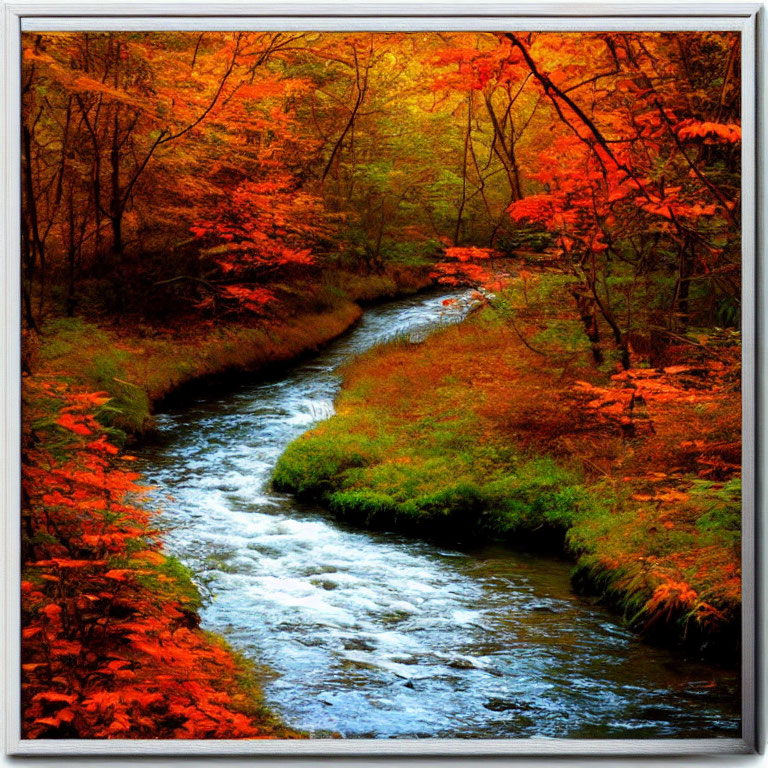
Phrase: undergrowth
pixel 111 644
pixel 505 428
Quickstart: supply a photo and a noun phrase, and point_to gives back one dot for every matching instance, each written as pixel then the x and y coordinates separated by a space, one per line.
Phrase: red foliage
pixel 711 133
pixel 265 226
pixel 109 648
pixel 463 269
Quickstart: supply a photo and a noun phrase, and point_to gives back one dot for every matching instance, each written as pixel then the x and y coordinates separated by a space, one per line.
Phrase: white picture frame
pixel 325 16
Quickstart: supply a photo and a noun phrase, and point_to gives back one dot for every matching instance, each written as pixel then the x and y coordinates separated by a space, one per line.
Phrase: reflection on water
pixel 375 635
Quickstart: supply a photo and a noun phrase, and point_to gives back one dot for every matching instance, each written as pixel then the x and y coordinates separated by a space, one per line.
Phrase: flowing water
pixel 377 635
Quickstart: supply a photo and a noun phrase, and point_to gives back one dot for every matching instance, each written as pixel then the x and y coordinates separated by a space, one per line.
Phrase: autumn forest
pixel 405 293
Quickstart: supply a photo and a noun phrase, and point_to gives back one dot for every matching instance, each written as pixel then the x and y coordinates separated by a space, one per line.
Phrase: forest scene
pixel 380 385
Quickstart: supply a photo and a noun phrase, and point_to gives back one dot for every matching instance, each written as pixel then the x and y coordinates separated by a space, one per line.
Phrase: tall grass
pixel 472 435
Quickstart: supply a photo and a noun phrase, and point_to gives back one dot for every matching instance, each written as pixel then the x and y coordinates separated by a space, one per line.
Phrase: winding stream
pixel 375 635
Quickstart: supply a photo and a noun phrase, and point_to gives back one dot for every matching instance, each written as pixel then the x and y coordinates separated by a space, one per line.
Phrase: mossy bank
pixel 89 388
pixel 481 433
pixel 139 365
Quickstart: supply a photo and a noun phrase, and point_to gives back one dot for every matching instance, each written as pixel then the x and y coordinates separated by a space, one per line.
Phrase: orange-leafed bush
pixel 110 644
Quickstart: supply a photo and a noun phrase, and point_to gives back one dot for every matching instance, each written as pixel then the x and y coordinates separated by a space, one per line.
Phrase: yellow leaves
pixel 673 496
pixel 149 556
pixel 711 133
pixel 30 54
pixel 85 83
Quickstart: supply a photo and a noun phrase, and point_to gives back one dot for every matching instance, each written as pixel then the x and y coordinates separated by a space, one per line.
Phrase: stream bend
pixel 377 635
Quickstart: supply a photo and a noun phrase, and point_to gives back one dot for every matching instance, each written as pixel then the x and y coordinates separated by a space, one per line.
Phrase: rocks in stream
pixel 325 584
pixel 504 705
pixel 358 644
pixel 461 664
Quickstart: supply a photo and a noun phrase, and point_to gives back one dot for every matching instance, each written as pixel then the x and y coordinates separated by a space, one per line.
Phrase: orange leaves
pixel 675 598
pixel 76 417
pixel 73 424
pixel 469 254
pixel 615 164
pixel 465 270
pixel 461 274
pixel 670 207
pixel 672 596
pixel 466 68
pixel 53 696
pixel 102 445
pixel 85 401
pixel 104 654
pixel 472 253
pixel 117 574
pixel 611 404
pixel 673 496
pixel 264 227
pixel 65 715
pixel 643 392
pixel 61 648
pixel 711 133
pixel 149 556
pixel 84 83
pixel 60 562
pixel 51 611
pixel 538 208
pixel 670 496
pixel 115 666
pixel 671 370
pixel 252 299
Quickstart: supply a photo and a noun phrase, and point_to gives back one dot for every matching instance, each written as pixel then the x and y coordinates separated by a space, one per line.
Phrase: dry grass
pixel 516 447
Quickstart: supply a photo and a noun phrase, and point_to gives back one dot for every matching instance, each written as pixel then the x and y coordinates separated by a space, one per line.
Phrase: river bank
pixel 494 431
pixel 139 365
pixel 381 635
pixel 111 641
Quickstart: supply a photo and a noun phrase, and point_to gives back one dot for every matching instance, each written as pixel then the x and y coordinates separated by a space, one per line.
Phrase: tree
pixel 631 198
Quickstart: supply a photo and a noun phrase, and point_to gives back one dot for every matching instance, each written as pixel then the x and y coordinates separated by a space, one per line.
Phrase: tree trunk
pixel 71 253
pixel 467 138
pixel 586 307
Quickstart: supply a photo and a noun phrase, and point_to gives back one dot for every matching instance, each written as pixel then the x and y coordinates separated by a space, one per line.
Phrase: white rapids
pixel 376 635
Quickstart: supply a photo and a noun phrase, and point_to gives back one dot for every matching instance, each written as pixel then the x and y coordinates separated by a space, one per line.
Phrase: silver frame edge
pixel 750 19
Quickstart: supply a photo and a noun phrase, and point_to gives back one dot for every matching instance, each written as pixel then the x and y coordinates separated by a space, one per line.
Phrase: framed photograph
pixel 381 380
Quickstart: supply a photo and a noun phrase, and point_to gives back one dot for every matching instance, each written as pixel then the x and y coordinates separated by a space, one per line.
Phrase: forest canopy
pixel 197 169
pixel 203 205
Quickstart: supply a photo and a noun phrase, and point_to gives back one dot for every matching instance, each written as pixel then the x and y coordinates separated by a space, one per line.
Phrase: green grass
pixel 138 365
pixel 448 439
pixel 433 474
pixel 447 486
